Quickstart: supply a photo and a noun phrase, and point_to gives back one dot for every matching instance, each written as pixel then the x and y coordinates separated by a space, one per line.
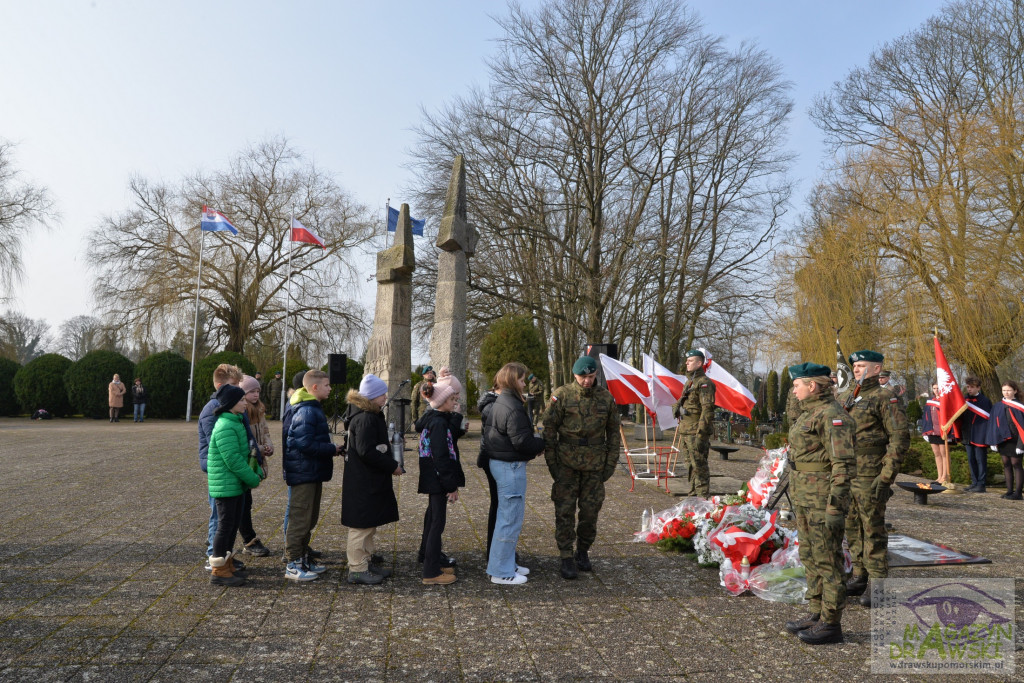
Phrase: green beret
pixel 427 369
pixel 869 356
pixel 885 373
pixel 809 370
pixel 694 352
pixel 584 365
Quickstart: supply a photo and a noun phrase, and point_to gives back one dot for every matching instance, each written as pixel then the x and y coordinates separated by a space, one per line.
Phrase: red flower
pixel 765 557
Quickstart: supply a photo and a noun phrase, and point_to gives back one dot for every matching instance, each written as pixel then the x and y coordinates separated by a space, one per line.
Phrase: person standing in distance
pixel 821 464
pixel 581 427
pixel 419 404
pixel 696 414
pixel 882 442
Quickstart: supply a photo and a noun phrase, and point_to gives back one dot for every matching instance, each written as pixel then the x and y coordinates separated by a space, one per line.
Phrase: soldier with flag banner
pixel 696 413
pixel 882 441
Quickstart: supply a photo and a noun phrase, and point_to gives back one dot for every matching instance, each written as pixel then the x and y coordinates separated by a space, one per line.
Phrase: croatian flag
pixel 300 233
pixel 417 224
pixel 215 221
pixel 729 393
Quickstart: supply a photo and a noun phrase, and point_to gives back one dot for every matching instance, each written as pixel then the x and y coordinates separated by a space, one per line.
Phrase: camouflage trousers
pixel 821 553
pixel 572 490
pixel 537 410
pixel 695 455
pixel 865 530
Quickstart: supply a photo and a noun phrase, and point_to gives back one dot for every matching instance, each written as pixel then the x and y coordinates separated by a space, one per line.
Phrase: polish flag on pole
pixel 951 401
pixel 729 393
pixel 670 380
pixel 300 233
pixel 662 396
pixel 628 385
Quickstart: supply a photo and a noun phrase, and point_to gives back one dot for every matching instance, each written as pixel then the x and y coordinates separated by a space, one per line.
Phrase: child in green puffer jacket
pixel 229 476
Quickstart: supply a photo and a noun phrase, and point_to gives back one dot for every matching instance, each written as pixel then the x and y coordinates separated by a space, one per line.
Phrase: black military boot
pixel 568 568
pixel 865 600
pixel 803 623
pixel 821 634
pixel 583 561
pixel 857 584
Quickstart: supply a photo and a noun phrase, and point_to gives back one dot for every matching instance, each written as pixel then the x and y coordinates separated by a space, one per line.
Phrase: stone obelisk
pixel 389 353
pixel 457 240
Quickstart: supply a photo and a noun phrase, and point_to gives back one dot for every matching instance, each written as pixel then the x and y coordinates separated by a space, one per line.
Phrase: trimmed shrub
pixel 86 382
pixel 514 338
pixel 203 379
pixel 8 399
pixel 40 384
pixel 914 413
pixel 165 377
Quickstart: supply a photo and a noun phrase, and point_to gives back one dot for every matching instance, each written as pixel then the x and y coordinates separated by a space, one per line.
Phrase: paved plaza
pixel 102 539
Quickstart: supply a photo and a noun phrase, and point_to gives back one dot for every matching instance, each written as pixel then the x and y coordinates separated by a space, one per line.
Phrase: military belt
pixel 869 450
pixel 811 466
pixel 572 441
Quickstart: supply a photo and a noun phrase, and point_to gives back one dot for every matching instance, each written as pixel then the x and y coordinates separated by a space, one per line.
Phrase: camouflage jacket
pixel 793 409
pixel 418 402
pixel 536 389
pixel 696 408
pixel 581 428
pixel 821 455
pixel 882 437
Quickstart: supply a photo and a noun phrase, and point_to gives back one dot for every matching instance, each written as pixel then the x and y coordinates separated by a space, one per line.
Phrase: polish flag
pixel 729 393
pixel 300 233
pixel 670 380
pixel 628 385
pixel 951 401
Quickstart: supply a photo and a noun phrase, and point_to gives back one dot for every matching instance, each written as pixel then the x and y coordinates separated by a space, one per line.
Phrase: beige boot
pixel 221 574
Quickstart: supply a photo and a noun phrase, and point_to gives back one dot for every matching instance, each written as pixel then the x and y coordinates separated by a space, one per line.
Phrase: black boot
pixel 857 584
pixel 865 600
pixel 583 561
pixel 821 634
pixel 568 570
pixel 803 623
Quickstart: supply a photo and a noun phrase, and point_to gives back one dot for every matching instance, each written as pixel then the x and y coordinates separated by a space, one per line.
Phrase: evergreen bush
pixel 40 384
pixel 203 380
pixel 8 399
pixel 513 338
pixel 165 378
pixel 87 379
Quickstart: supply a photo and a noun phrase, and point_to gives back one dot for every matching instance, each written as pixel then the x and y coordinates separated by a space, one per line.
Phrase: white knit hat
pixel 372 386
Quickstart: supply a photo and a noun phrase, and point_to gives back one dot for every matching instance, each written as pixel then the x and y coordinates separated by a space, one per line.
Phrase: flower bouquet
pixel 678 534
pixel 766 479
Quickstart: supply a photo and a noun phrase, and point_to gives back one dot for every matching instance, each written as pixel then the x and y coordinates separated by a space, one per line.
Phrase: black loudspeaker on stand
pixel 337 374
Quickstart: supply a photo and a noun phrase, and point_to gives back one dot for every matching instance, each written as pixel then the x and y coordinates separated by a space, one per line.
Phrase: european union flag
pixel 417 224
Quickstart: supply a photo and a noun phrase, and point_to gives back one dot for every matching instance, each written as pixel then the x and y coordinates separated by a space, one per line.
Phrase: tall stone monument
pixel 389 353
pixel 457 240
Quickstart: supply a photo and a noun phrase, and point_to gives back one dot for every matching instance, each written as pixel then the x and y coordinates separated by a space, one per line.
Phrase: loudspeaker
pixel 610 350
pixel 337 368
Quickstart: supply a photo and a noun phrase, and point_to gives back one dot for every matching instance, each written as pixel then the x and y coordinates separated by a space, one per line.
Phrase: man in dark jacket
pixel 974 433
pixel 308 462
pixel 367 494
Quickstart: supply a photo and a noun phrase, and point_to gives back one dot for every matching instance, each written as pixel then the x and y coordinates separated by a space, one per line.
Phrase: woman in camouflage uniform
pixel 821 462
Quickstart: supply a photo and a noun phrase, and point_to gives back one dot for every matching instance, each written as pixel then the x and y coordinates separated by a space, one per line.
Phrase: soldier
pixel 696 412
pixel 274 393
pixel 581 427
pixel 882 442
pixel 263 388
pixel 821 462
pixel 896 390
pixel 418 404
pixel 535 390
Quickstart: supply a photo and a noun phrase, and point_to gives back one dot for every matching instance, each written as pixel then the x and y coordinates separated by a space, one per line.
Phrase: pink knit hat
pixel 249 383
pixel 445 386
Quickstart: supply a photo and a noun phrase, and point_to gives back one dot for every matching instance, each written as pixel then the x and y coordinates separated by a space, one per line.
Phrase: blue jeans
pixel 213 526
pixel 511 478
pixel 140 411
pixel 977 460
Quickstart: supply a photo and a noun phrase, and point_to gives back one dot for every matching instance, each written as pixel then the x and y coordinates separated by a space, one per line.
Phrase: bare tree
pixel 22 205
pixel 78 336
pixel 146 258
pixel 23 339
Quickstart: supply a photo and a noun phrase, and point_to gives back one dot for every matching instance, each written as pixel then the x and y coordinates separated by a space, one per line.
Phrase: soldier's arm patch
pixel 893 400
pixel 837 422
pixel 554 398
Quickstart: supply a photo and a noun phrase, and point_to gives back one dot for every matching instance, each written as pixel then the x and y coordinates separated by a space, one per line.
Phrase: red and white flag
pixel 729 393
pixel 300 233
pixel 950 399
pixel 673 382
pixel 628 385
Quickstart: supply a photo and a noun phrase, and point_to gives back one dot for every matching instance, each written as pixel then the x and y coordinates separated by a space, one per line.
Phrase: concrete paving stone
pixel 194 650
pixel 176 672
pixel 40 674
pixel 423 669
pixel 12 648
pixel 122 673
pixel 332 672
pixel 31 627
pixel 129 649
pixel 275 650
pixel 566 661
pixel 82 626
pixel 62 652
pixel 640 661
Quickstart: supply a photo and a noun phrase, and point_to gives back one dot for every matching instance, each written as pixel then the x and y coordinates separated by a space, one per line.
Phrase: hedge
pixel 40 384
pixel 165 378
pixel 203 378
pixel 922 458
pixel 86 382
pixel 8 399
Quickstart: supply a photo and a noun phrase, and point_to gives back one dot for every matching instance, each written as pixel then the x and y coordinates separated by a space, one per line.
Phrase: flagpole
pixel 287 317
pixel 195 326
pixel 387 219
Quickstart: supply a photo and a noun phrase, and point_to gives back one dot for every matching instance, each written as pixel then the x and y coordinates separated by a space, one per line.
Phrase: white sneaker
pixel 510 581
pixel 522 571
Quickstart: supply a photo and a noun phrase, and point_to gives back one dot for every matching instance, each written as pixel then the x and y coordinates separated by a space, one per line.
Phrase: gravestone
pixel 389 353
pixel 457 240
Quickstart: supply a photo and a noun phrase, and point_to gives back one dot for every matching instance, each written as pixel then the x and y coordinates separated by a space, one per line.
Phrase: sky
pixel 96 91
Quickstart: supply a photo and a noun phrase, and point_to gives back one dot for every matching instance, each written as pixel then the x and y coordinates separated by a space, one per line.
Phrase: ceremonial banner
pixel 951 400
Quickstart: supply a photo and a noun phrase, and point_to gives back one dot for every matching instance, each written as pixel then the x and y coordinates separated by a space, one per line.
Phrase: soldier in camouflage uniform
pixel 535 389
pixel 581 448
pixel 822 463
pixel 882 442
pixel 696 413
pixel 418 402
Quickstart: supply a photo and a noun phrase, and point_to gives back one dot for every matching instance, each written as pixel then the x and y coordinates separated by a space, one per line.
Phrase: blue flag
pixel 417 225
